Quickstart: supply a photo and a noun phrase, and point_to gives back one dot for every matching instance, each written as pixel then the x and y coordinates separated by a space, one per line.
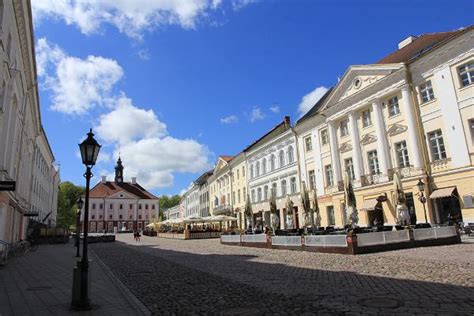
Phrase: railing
pixel 230 238
pixel 440 165
pixel 204 235
pixel 325 241
pixel 434 233
pixel 261 238
pixel 286 241
pixel 383 238
pixel 405 172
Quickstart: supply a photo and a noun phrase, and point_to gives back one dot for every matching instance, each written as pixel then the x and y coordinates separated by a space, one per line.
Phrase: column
pixel 318 164
pixel 355 140
pixel 335 161
pixel 382 145
pixel 415 155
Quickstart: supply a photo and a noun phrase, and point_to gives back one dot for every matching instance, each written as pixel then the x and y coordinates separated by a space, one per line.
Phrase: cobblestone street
pixel 203 276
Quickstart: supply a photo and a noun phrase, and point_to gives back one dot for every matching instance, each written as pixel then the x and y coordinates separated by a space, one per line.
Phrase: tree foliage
pixel 167 202
pixel 68 195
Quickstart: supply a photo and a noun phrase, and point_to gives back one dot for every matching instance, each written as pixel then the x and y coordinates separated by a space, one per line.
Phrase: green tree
pixel 167 202
pixel 68 195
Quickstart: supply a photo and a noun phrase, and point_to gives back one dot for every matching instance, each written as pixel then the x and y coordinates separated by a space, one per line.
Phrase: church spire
pixel 119 171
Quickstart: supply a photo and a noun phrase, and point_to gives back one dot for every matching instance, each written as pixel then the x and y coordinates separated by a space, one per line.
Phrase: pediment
pixel 396 129
pixel 221 163
pixel 358 78
pixel 345 147
pixel 122 195
pixel 368 139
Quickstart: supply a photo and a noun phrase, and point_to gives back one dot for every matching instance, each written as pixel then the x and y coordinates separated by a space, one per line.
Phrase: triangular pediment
pixel 368 139
pixel 221 163
pixel 358 78
pixel 396 129
pixel 122 195
pixel 345 147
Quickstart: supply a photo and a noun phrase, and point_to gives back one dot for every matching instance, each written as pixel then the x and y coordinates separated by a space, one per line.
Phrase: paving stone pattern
pixel 205 277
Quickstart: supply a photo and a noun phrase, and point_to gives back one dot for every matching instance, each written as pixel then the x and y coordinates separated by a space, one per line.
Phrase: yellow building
pixel 220 187
pixel 239 187
pixel 411 113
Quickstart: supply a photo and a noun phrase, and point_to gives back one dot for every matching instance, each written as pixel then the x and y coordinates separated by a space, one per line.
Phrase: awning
pixel 371 205
pixel 442 193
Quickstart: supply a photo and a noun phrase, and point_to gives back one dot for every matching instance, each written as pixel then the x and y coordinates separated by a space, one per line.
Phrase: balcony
pixel 440 165
pixel 371 179
pixel 405 172
pixel 221 209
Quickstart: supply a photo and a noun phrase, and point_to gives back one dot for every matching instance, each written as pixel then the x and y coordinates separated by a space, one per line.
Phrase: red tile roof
pixel 420 44
pixel 104 190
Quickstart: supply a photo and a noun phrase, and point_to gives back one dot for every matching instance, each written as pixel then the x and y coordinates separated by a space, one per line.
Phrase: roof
pixel 420 45
pixel 108 188
pixel 315 107
pixel 203 178
pixel 226 158
pixel 282 127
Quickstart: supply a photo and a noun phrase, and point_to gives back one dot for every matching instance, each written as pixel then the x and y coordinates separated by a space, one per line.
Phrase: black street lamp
pixel 80 292
pixel 80 204
pixel 422 198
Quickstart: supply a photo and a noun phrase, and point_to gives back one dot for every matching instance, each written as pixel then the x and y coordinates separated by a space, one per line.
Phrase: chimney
pixel 287 121
pixel 104 179
pixel 134 180
pixel 406 41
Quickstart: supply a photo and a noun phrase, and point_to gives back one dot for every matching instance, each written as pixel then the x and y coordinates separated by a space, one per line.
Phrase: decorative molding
pixel 396 129
pixel 368 139
pixel 345 147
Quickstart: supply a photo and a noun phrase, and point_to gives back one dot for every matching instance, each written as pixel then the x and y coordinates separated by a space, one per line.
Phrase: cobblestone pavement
pixel 40 283
pixel 205 277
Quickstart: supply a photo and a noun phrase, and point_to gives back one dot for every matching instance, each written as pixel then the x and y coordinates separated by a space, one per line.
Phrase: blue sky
pixel 173 87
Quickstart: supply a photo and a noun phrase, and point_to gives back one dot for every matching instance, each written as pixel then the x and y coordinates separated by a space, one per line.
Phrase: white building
pixel 175 212
pixel 191 201
pixel 203 186
pixel 25 155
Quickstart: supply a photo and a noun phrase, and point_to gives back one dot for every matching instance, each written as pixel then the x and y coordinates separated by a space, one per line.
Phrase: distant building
pixel 25 155
pixel 118 205
pixel 175 212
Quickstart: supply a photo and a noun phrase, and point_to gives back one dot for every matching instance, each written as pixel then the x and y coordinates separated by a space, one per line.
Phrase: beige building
pixel 411 113
pixel 220 187
pixel 239 187
pixel 25 155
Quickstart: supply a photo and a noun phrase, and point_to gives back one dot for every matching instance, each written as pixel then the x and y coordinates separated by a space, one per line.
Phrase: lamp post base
pixel 79 303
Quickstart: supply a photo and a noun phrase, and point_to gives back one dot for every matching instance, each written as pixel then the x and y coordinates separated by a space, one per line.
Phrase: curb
pixel 132 299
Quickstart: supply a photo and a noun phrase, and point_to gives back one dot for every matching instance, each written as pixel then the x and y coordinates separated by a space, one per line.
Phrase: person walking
pixel 138 235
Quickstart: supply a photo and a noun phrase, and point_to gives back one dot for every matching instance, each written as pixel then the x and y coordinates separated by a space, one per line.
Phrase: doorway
pixel 376 215
pixel 449 207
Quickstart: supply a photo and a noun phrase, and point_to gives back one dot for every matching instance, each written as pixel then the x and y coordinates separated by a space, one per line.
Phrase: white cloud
pixel 275 109
pixel 77 84
pixel 256 115
pixel 309 100
pixel 229 119
pixel 132 18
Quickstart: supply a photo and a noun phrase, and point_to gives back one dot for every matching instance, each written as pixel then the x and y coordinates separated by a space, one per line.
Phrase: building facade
pixel 220 187
pixel 273 168
pixel 202 184
pixel 25 156
pixel 410 114
pixel 175 212
pixel 118 205
pixel 191 200
pixel 238 167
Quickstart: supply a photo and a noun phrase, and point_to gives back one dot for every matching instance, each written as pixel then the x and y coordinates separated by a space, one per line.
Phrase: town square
pixel 236 157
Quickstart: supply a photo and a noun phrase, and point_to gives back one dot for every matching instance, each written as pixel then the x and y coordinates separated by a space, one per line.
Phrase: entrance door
pixel 376 215
pixel 449 206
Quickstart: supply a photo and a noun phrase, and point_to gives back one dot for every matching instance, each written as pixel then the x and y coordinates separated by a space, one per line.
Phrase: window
pixel 257 169
pixel 312 179
pixel 283 188
pixel 402 154
pixel 93 216
pixel 146 206
pixel 293 185
pixel 308 144
pixel 130 206
pixel 9 45
pixel 110 216
pixel 100 216
pixel 153 206
pixel 291 155
pixel 139 217
pixel 466 74
pixel 264 166
pixel 111 206
pixel 120 216
pixel 120 206
pixel 139 206
pixel 329 175
pixel 238 196
pixel 93 206
pixel 324 137
pixel 281 158
pixel 233 197
pixel 238 174
pixel 373 162
pixel 349 167
pixel 131 217
pixel 471 128
pixel 272 162
pixel 393 108
pixel 259 194
pixel 243 171
pixel 426 92
pixel 253 196
pixel 274 189
pixel 251 171
pixel 265 192
pixel 437 145
pixel 331 218
pixel 101 206
pixel 244 195
pixel 344 128
pixel 366 119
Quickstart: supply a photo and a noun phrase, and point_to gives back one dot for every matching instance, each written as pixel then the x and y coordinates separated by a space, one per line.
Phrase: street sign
pixel 7 185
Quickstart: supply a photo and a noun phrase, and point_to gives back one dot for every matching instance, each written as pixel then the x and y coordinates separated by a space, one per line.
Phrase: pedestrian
pixel 138 235
pixel 135 235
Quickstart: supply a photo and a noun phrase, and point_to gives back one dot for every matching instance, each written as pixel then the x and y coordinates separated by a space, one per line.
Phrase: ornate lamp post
pixel 422 198
pixel 80 204
pixel 80 292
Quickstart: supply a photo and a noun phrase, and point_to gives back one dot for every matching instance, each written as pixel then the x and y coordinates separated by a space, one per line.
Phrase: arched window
pixel 253 196
pixel 259 194
pixel 264 166
pixel 283 188
pixel 291 155
pixel 257 169
pixel 272 162
pixel 281 158
pixel 216 201
pixel 265 192
pixel 251 171
pixel 293 185
pixel 274 189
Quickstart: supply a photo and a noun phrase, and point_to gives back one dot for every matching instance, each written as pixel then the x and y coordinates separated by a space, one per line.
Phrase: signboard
pixel 7 185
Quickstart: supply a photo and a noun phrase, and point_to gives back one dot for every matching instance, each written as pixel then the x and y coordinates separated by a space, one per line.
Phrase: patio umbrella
pixel 192 219
pixel 350 200
pixel 402 210
pixel 248 210
pixel 289 208
pixel 315 210
pixel 309 221
pixel 274 219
